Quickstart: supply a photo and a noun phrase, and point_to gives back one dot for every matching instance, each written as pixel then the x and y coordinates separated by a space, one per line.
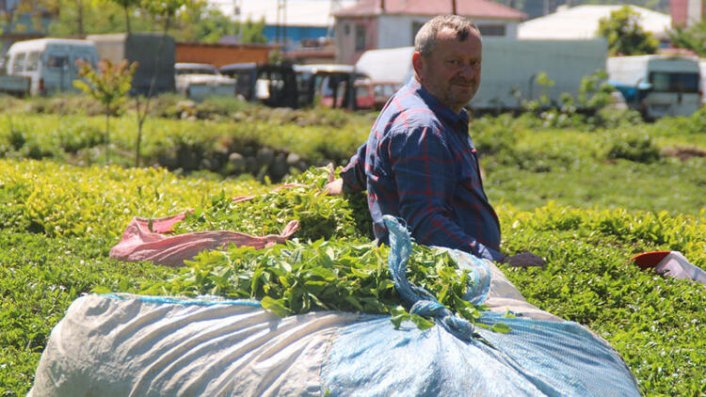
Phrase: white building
pixel 581 22
pixel 286 21
pixel 376 24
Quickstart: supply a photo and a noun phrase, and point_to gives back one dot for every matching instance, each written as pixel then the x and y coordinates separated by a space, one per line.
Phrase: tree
pixel 252 32
pixel 127 5
pixel 692 38
pixel 109 85
pixel 625 35
pixel 164 11
pixel 95 16
pixel 212 26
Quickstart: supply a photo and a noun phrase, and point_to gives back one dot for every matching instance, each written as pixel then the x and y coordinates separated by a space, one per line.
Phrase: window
pixel 56 62
pixel 18 63
pixel 415 28
pixel 674 82
pixel 492 30
pixel 32 63
pixel 359 37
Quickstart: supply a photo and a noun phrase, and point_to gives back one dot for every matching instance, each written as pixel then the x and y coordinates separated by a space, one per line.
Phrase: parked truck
pixel 47 65
pixel 154 53
pixel 510 69
pixel 657 85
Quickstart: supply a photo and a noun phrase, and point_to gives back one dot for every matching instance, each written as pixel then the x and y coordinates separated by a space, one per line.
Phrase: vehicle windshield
pixel 674 82
pixel 181 71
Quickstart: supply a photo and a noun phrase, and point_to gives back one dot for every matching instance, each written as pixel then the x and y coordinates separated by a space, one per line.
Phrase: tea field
pixel 585 193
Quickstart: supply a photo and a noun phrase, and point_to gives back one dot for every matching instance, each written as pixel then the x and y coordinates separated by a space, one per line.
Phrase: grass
pixel 556 190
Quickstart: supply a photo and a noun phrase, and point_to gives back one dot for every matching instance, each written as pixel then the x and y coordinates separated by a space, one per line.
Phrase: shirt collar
pixel 445 114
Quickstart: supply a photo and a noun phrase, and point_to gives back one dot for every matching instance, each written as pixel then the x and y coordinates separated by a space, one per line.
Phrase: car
pixel 198 81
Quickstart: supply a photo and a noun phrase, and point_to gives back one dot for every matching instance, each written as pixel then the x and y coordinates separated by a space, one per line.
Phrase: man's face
pixel 452 71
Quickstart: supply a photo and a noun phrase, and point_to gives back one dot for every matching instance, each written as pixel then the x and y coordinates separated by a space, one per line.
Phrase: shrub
pixel 634 147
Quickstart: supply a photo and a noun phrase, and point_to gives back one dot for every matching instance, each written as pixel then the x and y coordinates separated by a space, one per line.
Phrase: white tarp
pixel 127 345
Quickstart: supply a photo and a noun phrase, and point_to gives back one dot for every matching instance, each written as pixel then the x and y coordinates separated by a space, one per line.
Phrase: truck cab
pixel 49 63
pixel 657 85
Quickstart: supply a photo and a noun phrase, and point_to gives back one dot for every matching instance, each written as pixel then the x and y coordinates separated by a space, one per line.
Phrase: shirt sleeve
pixel 353 174
pixel 425 175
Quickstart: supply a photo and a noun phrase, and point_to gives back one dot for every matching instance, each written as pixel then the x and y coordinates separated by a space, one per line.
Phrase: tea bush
pixel 557 191
pixel 59 221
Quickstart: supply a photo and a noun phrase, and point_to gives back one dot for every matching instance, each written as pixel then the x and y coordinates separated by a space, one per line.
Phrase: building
pixel 376 24
pixel 581 22
pixel 293 24
pixel 687 12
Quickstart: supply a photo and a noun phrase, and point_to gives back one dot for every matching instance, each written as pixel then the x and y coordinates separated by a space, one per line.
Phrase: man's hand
pixel 524 259
pixel 335 187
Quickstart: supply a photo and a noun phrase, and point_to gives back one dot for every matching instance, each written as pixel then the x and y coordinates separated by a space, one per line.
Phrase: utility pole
pixel 453 8
pixel 237 13
pixel 284 25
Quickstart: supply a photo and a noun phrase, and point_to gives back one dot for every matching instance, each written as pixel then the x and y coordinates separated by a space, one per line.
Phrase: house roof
pixel 314 13
pixel 480 9
pixel 581 22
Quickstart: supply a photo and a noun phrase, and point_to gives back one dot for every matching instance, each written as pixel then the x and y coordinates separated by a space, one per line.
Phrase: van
pixel 49 63
pixel 702 66
pixel 657 85
pixel 334 86
pixel 272 84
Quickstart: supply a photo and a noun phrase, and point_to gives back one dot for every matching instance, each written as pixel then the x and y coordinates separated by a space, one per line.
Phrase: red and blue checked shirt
pixel 419 164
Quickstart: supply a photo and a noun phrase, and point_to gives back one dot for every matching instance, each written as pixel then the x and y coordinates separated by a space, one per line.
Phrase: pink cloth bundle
pixel 148 240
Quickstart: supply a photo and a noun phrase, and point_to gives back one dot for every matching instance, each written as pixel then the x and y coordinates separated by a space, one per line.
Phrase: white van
pixel 657 85
pixel 49 63
pixel 702 65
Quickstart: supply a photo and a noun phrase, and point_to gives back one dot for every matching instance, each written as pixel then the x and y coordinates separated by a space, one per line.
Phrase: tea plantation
pixel 585 192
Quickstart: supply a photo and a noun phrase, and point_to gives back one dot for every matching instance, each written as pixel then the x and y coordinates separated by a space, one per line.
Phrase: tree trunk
pixel 107 135
pixel 79 17
pixel 127 20
pixel 143 111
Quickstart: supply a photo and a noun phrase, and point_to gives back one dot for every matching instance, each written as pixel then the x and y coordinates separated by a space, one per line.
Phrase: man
pixel 419 163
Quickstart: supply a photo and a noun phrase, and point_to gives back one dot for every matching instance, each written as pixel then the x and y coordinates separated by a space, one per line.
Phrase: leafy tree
pixel 127 5
pixel 692 38
pixel 252 32
pixel 625 35
pixel 109 85
pixel 164 11
pixel 96 16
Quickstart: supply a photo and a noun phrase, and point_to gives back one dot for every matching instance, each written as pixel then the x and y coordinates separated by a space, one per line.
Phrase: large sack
pixel 121 345
pixel 143 346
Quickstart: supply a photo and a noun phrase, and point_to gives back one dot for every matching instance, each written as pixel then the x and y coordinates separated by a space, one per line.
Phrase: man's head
pixel 447 59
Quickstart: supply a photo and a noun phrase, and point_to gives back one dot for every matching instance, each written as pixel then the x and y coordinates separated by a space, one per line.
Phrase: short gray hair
pixel 425 39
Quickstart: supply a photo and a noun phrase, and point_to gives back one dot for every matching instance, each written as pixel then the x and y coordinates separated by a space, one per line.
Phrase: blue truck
pixel 657 85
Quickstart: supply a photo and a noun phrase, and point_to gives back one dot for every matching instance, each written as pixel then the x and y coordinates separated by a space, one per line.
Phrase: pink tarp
pixel 148 240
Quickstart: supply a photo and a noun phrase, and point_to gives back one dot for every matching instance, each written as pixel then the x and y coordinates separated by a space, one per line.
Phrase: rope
pixel 419 300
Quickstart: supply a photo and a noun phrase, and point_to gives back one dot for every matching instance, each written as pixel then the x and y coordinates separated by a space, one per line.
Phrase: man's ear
pixel 418 64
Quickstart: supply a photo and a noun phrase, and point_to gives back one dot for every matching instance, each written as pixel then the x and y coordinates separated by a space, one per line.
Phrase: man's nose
pixel 469 71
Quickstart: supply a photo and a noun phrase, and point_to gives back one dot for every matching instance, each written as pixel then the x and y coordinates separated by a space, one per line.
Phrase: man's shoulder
pixel 406 111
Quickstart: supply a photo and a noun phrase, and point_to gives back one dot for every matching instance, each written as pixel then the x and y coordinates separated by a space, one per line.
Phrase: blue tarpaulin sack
pixel 126 345
pixel 537 358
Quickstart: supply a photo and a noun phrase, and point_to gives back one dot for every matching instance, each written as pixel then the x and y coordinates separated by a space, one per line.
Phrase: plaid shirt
pixel 422 167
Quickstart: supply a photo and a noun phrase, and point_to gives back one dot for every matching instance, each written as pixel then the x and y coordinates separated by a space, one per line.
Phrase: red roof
pixel 479 9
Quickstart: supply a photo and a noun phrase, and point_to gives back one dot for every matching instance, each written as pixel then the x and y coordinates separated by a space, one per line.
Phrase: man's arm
pixel 352 176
